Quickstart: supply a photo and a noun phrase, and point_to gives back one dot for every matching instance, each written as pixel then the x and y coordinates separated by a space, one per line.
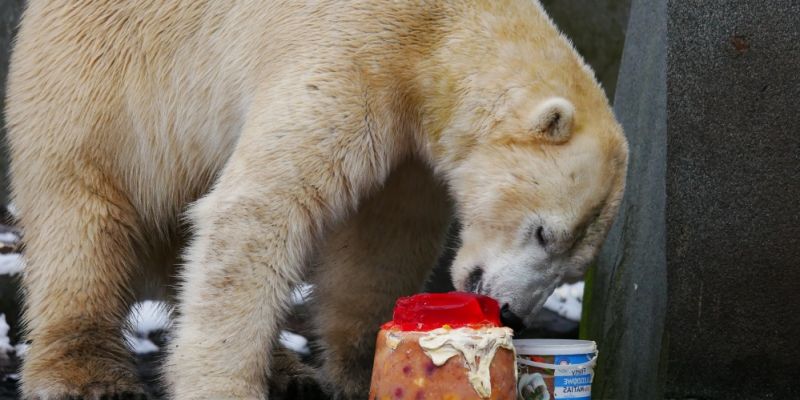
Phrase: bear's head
pixel 536 197
pixel 534 158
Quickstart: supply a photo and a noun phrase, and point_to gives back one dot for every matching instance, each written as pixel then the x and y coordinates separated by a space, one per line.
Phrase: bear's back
pixel 152 92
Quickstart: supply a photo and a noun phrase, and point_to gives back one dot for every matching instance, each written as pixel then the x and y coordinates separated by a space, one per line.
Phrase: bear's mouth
pixel 511 320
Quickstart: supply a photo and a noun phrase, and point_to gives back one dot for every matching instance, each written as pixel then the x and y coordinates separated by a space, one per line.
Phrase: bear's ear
pixel 552 119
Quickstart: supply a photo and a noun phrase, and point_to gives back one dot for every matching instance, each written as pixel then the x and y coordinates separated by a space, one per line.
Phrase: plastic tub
pixel 555 368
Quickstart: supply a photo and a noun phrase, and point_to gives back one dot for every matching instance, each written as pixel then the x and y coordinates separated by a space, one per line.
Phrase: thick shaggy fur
pixel 292 134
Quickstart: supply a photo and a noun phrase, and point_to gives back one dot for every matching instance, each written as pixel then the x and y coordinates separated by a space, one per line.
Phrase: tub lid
pixel 552 347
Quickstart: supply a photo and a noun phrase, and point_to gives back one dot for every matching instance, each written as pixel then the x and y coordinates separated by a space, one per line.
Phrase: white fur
pixel 288 130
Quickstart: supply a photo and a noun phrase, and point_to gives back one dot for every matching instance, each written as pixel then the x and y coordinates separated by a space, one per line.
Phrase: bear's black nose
pixel 511 320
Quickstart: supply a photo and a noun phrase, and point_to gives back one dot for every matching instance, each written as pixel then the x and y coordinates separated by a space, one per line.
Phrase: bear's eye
pixel 536 233
pixel 540 236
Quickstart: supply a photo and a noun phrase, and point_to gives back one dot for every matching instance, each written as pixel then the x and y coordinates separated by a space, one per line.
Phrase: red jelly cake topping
pixel 428 311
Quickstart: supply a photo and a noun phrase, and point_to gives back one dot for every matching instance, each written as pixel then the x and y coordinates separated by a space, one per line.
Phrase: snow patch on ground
pixel 6 349
pixel 21 350
pixel 140 345
pixel 149 315
pixel 5 342
pixel 302 293
pixel 146 317
pixel 11 263
pixel 9 237
pixel 294 342
pixel 13 210
pixel 567 301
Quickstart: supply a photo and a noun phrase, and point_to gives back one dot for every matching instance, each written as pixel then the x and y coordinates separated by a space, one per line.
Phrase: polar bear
pixel 282 141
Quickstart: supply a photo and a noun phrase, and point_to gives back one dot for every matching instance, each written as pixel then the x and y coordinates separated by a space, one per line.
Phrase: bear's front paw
pixel 90 391
pixel 78 372
pixel 290 378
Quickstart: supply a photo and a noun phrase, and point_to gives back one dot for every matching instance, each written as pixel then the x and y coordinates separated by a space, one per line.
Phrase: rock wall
pixel 696 290
pixel 629 295
pixel 733 199
pixel 597 29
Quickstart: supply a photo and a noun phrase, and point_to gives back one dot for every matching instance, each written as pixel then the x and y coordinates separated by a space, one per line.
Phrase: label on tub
pixel 570 383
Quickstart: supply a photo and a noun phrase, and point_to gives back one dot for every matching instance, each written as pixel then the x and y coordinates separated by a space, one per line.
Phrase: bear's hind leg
pixel 78 235
pixel 385 251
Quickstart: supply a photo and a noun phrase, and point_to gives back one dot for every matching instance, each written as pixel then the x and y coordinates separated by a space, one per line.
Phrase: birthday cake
pixel 444 346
